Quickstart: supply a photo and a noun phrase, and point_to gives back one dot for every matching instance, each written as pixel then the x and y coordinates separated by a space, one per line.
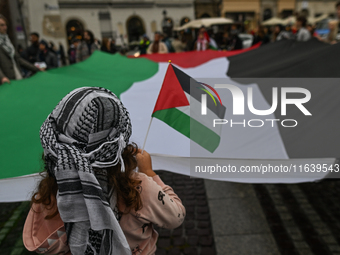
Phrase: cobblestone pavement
pixel 303 219
pixel 195 234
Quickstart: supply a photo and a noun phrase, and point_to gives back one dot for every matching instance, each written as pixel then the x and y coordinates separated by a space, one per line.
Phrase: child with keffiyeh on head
pixel 91 181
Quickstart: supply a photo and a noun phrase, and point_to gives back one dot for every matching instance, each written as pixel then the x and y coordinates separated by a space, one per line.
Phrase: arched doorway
pixel 267 14
pixel 74 29
pixel 135 28
pixel 205 15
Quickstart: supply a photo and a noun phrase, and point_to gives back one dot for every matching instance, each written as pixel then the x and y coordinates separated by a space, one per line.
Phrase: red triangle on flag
pixel 171 94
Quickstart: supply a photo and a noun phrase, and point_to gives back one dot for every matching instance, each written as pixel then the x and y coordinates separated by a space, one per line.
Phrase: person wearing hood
pixel 45 55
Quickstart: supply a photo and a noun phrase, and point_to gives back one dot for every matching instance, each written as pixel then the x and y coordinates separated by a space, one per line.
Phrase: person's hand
pixel 5 80
pixel 144 163
pixel 42 69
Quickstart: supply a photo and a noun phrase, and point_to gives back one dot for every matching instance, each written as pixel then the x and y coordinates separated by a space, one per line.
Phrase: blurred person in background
pixel 231 41
pixel 108 46
pixel 235 40
pixel 280 33
pixel 10 60
pixel 334 26
pixel 20 49
pixel 225 41
pixel 86 47
pixel 337 7
pixel 202 42
pixel 113 46
pixel 57 51
pixel 51 46
pixel 61 53
pixel 189 40
pixel 177 44
pixel 165 39
pixel 205 40
pixel 30 54
pixel 276 31
pixel 212 42
pixel 97 43
pixel 47 56
pixel 144 44
pixel 333 32
pixel 311 29
pixel 261 35
pixel 157 46
pixel 302 34
pixel 72 51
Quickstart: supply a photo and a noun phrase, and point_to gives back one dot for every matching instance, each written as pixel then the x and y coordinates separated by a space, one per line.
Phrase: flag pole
pixel 147 133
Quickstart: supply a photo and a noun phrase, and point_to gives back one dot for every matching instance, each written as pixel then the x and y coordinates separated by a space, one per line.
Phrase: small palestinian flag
pixel 179 105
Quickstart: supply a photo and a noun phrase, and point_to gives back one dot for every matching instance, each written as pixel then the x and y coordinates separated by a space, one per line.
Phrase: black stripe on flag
pixel 185 80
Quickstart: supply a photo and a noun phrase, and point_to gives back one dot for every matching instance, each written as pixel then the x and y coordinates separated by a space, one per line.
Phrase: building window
pixel 74 29
pixel 105 24
pixel 240 16
pixel 135 28
pixel 153 26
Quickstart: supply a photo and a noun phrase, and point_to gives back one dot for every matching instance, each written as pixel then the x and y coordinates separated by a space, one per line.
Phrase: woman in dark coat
pixel 10 61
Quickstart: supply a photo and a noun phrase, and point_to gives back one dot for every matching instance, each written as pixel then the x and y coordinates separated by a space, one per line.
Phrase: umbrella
pixel 311 20
pixel 289 20
pixel 273 21
pixel 318 19
pixel 206 22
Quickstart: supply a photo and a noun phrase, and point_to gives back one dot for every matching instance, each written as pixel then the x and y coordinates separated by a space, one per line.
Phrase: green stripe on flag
pixel 25 104
pixel 189 127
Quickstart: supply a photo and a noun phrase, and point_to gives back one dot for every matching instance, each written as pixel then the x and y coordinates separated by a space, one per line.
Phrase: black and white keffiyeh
pixel 89 128
pixel 6 44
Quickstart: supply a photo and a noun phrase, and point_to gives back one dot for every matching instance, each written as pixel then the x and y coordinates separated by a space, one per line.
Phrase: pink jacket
pixel 161 206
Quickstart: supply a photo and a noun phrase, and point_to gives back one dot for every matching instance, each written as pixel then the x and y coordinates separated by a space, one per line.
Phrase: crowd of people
pixel 42 55
pixel 228 37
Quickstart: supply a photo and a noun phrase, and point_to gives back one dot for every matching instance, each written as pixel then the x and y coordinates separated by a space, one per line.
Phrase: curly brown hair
pixel 124 183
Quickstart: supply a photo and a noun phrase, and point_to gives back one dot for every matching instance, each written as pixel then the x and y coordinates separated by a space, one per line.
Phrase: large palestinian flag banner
pixel 25 104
